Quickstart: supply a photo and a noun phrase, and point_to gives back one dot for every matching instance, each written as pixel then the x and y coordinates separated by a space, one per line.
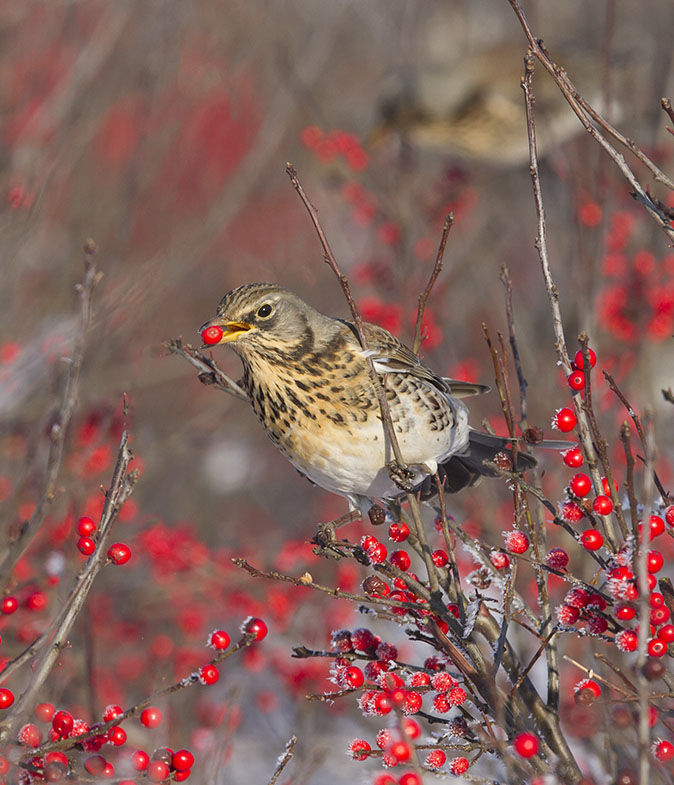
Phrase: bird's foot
pixel 401 476
pixel 326 533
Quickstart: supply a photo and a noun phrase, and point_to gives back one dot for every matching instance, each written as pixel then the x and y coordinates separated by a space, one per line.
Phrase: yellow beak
pixel 231 331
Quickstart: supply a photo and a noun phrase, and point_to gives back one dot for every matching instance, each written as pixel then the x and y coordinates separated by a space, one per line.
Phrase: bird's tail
pixel 461 471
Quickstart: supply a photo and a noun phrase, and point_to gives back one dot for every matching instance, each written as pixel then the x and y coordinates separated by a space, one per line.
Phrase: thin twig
pixel 667 106
pixel 437 267
pixel 284 760
pixel 59 428
pixel 209 371
pixel 121 487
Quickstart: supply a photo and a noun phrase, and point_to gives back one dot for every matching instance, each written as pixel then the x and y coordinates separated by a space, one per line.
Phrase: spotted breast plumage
pixel 308 380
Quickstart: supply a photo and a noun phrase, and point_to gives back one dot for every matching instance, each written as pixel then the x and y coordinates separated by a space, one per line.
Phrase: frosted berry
pixel 564 420
pixel 401 560
pixel 602 505
pixel 627 640
pixel 219 640
pixel 359 749
pixel 456 696
pixel 212 335
pixel 571 512
pixel 591 540
pixel 567 614
pixel 208 675
pixel 573 458
pixel 579 360
pixel 516 541
pixel 413 702
pixel 353 676
pixel 588 684
pixel 377 552
pixel 526 745
pixel 580 485
pixel 500 560
pixel 557 558
pixel 442 681
pixel 398 532
pixel 30 735
pixel 458 766
pixel 255 627
pixel 439 558
pixel 662 750
pixel 435 759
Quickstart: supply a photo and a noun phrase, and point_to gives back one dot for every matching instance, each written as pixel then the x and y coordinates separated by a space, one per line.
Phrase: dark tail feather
pixel 461 471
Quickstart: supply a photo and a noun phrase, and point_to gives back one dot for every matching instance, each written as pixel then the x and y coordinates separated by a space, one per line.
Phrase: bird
pixel 308 381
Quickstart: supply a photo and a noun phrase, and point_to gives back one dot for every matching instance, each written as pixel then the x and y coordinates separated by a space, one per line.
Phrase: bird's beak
pixel 231 331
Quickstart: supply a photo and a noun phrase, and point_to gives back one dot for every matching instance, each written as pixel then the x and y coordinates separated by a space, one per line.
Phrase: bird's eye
pixel 264 310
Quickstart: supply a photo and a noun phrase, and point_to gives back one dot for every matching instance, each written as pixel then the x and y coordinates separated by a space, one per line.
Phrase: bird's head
pixel 260 317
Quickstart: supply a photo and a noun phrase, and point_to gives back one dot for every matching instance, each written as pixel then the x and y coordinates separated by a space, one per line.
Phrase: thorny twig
pixel 209 371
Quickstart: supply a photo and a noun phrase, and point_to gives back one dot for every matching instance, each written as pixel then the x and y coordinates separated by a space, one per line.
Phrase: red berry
pixel 627 640
pixel 602 505
pixel 85 526
pixel 526 745
pixel 420 679
pixel 567 614
pixel 353 676
pixel 656 647
pixel 4 765
pixel 435 759
pixel 624 611
pixel 413 702
pixel 209 674
pixel 580 485
pixel 140 759
pixel 442 681
pixel 666 633
pixel 6 698
pixel 578 360
pixel 183 760
pixel 95 765
pixel 596 625
pixel 654 561
pixel 219 640
pixel 212 335
pixel 359 749
pixel 401 560
pixel 456 696
pixel 557 558
pixel 458 766
pixel 516 541
pixel 588 684
pixel 255 627
pixel 606 488
pixel 410 778
pixel 591 539
pixel 30 735
pixel 382 703
pixel 62 722
pixel 576 380
pixel 656 525
pixel 86 546
pixel 117 736
pixel 9 605
pixel 400 751
pixel 669 515
pixel 111 712
pixel 44 712
pixel 398 532
pixel 571 512
pixel 157 771
pixel 119 553
pixel 151 717
pixel 500 560
pixel 564 420
pixel 377 552
pixel 663 750
pixel 439 558
pixel 659 615
pixel 573 458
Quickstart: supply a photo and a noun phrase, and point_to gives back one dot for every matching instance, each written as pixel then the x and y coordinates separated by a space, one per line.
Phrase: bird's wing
pixel 389 355
pixel 462 389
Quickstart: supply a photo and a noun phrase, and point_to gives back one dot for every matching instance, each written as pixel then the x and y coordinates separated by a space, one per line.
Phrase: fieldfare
pixel 307 378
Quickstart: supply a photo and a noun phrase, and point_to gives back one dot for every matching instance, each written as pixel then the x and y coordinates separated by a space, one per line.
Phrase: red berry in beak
pixel 212 334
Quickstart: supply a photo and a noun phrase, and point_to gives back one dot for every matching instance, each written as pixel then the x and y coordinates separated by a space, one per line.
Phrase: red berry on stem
pixel 62 722
pixel 255 627
pixel 439 558
pixel 564 420
pixel 86 546
pixel 458 766
pixel 580 485
pixel 573 458
pixel 212 335
pixel 219 640
pixel 157 771
pixel 579 362
pixel 44 711
pixel 111 712
pixel 516 541
pixel 576 380
pixel 85 526
pixel 119 553
pixel 139 760
pixel 656 647
pixel 591 540
pixel 526 745
pixel 500 560
pixel 557 558
pixel 602 505
pixel 353 676
pixel 209 674
pixel 666 633
pixel 6 698
pixel 183 760
pixel 117 736
pixel 398 532
pixel 588 684
pixel 571 512
pixel 435 759
pixel 359 749
pixel 663 750
pixel 627 640
pixel 377 552
pixel 9 605
pixel 654 561
pixel 401 560
pixel 669 515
